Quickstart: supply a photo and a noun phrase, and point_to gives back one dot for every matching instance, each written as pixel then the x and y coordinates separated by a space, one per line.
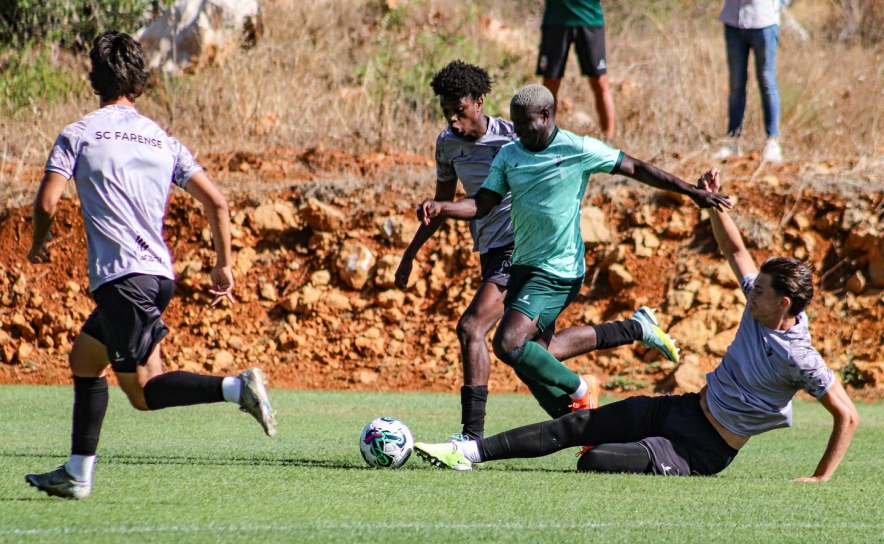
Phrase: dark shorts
pixel 496 264
pixel 128 318
pixel 589 43
pixel 687 443
pixel 538 294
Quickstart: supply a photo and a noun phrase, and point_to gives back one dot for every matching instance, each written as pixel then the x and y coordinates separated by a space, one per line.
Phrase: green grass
pixel 207 474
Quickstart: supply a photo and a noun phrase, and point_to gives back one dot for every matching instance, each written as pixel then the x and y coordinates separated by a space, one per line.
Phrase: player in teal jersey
pixel 547 171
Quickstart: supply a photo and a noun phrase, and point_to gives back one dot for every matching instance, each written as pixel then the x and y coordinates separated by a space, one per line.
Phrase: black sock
pixel 90 405
pixel 631 457
pixel 618 333
pixel 473 399
pixel 182 389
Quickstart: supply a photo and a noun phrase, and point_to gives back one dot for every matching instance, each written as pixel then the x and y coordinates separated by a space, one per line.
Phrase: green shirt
pixel 573 13
pixel 547 188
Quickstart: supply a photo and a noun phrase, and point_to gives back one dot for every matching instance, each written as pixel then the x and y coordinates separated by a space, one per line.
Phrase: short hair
pixel 118 66
pixel 534 98
pixel 790 278
pixel 460 80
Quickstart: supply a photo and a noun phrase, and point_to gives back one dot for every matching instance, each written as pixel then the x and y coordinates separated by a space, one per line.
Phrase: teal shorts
pixel 539 294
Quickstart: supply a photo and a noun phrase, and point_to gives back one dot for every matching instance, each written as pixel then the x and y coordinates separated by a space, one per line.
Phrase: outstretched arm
pixel 45 205
pixel 218 213
pixel 726 232
pixel 445 191
pixel 471 207
pixel 845 420
pixel 654 177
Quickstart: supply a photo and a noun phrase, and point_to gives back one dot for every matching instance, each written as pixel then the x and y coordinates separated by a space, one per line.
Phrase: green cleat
pixel 254 399
pixel 445 455
pixel 653 336
pixel 59 483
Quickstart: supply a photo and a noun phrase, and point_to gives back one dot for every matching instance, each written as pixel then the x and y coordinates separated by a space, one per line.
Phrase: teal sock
pixel 541 367
pixel 553 400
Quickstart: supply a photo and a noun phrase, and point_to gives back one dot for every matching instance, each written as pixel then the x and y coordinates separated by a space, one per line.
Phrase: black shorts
pixel 496 264
pixel 555 41
pixel 687 444
pixel 128 318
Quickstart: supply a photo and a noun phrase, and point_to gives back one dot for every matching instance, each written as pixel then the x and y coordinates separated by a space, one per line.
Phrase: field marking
pixel 337 526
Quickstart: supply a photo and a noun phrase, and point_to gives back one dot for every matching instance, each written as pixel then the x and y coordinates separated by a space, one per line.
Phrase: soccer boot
pixel 591 399
pixel 59 483
pixel 253 399
pixel 461 437
pixel 653 336
pixel 444 455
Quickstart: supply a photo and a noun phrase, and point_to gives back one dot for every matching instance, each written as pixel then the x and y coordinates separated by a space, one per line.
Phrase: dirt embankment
pixel 317 308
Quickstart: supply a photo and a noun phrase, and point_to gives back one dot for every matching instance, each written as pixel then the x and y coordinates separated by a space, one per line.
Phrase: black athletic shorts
pixel 687 443
pixel 128 318
pixel 555 41
pixel 496 264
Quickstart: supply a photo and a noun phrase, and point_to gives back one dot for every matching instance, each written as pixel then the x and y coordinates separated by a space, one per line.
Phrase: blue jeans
pixel 763 41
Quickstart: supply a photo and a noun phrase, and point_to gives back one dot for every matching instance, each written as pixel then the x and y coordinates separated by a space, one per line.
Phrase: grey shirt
pixel 457 158
pixel 123 165
pixel 751 391
pixel 751 13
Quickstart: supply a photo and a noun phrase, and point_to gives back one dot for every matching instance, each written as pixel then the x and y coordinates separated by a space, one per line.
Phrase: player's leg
pixel 483 312
pixel 554 44
pixel 629 457
pixel 589 44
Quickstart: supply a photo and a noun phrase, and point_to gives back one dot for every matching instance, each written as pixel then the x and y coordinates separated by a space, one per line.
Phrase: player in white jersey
pixel 749 393
pixel 465 150
pixel 123 165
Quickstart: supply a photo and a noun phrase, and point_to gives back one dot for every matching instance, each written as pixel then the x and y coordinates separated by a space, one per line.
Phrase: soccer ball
pixel 386 443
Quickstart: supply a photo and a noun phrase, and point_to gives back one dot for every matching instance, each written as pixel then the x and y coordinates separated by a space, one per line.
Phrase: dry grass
pixel 352 74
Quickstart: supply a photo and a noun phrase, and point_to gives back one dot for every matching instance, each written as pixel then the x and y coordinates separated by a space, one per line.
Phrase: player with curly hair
pixel 464 151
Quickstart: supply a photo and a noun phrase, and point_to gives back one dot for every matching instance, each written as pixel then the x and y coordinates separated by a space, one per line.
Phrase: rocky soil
pixel 317 307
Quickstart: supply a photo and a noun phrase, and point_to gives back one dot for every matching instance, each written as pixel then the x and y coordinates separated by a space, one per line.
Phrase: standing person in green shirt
pixel 546 170
pixel 582 23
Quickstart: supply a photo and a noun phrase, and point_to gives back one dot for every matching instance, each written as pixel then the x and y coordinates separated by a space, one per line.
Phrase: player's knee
pixel 470 329
pixel 508 351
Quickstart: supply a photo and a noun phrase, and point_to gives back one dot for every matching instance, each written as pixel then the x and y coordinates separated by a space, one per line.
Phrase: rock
pixel 801 221
pixel 24 351
pixel 876 268
pixel 679 302
pixel 365 377
pixel 20 287
pixel 309 296
pixel 619 277
pixel 646 242
pixel 242 262
pixel 385 272
pixel 643 217
pixel 594 227
pixel 194 33
pixel 273 218
pixel 711 295
pixel 268 291
pixel 857 283
pixel 719 343
pixel 678 227
pixel 73 287
pixel 320 278
pixel 399 230
pixel 24 327
pixel 355 263
pixel 687 376
pixel 235 342
pixel 693 332
pixel 322 217
pixel 223 361
pixel 337 302
pixel 391 298
pixel 723 275
pixel 290 303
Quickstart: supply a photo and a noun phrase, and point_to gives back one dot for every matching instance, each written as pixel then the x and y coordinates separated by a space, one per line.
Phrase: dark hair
pixel 790 278
pixel 118 66
pixel 459 79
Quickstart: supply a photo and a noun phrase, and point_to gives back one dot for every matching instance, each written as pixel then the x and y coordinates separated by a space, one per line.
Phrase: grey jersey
pixel 123 165
pixel 751 391
pixel 470 162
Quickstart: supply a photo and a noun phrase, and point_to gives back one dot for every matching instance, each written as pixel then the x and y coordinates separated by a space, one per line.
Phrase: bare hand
pixel 39 252
pixel 710 181
pixel 428 210
pixel 708 195
pixel 403 272
pixel 222 284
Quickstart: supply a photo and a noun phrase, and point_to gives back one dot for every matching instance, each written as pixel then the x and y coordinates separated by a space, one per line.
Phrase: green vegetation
pixel 207 474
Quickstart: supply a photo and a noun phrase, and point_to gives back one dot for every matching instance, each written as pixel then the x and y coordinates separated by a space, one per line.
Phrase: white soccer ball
pixel 386 443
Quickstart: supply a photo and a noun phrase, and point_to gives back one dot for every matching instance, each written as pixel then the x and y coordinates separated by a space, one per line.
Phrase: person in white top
pixel 124 165
pixel 752 26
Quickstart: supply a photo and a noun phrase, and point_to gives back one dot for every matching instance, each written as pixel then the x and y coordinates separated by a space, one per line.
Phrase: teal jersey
pixel 547 189
pixel 573 13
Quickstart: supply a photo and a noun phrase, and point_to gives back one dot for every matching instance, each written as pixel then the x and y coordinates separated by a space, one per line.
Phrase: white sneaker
pixel 773 151
pixel 728 149
pixel 254 400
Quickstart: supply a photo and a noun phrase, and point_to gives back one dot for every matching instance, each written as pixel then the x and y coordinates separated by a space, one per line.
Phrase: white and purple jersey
pixel 470 161
pixel 123 165
pixel 751 391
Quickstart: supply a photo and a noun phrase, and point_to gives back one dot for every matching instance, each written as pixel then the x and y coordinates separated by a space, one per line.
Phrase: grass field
pixel 207 474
